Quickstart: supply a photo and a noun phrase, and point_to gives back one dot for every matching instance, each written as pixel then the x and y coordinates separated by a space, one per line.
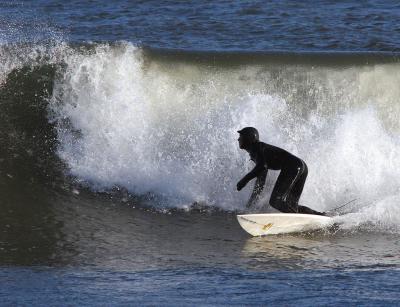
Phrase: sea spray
pixel 169 128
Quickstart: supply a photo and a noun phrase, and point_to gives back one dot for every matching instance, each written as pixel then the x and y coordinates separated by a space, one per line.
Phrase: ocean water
pixel 119 156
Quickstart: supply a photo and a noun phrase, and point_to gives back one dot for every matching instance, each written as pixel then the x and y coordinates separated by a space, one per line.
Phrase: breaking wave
pixel 163 123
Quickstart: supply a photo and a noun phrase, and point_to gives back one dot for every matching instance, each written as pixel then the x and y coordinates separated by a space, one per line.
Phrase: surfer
pixel 289 185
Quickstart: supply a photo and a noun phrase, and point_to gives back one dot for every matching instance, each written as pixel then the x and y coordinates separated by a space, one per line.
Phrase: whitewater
pixel 165 128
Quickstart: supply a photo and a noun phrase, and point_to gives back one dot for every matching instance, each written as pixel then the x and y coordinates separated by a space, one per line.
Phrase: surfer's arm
pixel 255 172
pixel 258 188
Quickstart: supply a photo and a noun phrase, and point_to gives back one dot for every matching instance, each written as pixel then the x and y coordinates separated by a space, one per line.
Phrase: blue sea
pixel 119 157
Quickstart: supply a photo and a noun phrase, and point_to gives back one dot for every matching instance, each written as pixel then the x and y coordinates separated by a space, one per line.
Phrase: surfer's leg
pixel 298 184
pixel 297 189
pixel 280 194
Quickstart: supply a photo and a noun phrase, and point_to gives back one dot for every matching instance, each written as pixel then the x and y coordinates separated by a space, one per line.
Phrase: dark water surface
pixel 118 154
pixel 93 251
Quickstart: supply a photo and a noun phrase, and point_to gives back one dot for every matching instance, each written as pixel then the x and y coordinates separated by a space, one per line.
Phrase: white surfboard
pixel 278 223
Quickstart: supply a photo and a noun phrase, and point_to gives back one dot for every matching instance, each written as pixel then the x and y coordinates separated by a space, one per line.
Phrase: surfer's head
pixel 247 136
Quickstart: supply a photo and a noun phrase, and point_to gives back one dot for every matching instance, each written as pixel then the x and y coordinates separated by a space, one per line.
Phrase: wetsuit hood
pixel 248 136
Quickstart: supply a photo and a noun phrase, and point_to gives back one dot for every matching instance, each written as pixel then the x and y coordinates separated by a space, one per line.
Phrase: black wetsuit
pixel 289 185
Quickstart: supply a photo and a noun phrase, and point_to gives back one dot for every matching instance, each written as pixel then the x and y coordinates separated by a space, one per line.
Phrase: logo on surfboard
pixel 267 226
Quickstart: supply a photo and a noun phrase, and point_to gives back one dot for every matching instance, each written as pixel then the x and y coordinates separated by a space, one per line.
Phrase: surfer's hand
pixel 241 184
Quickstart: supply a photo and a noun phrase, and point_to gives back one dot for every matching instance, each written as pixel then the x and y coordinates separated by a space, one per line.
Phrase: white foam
pixel 16 56
pixel 170 128
pixel 381 215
